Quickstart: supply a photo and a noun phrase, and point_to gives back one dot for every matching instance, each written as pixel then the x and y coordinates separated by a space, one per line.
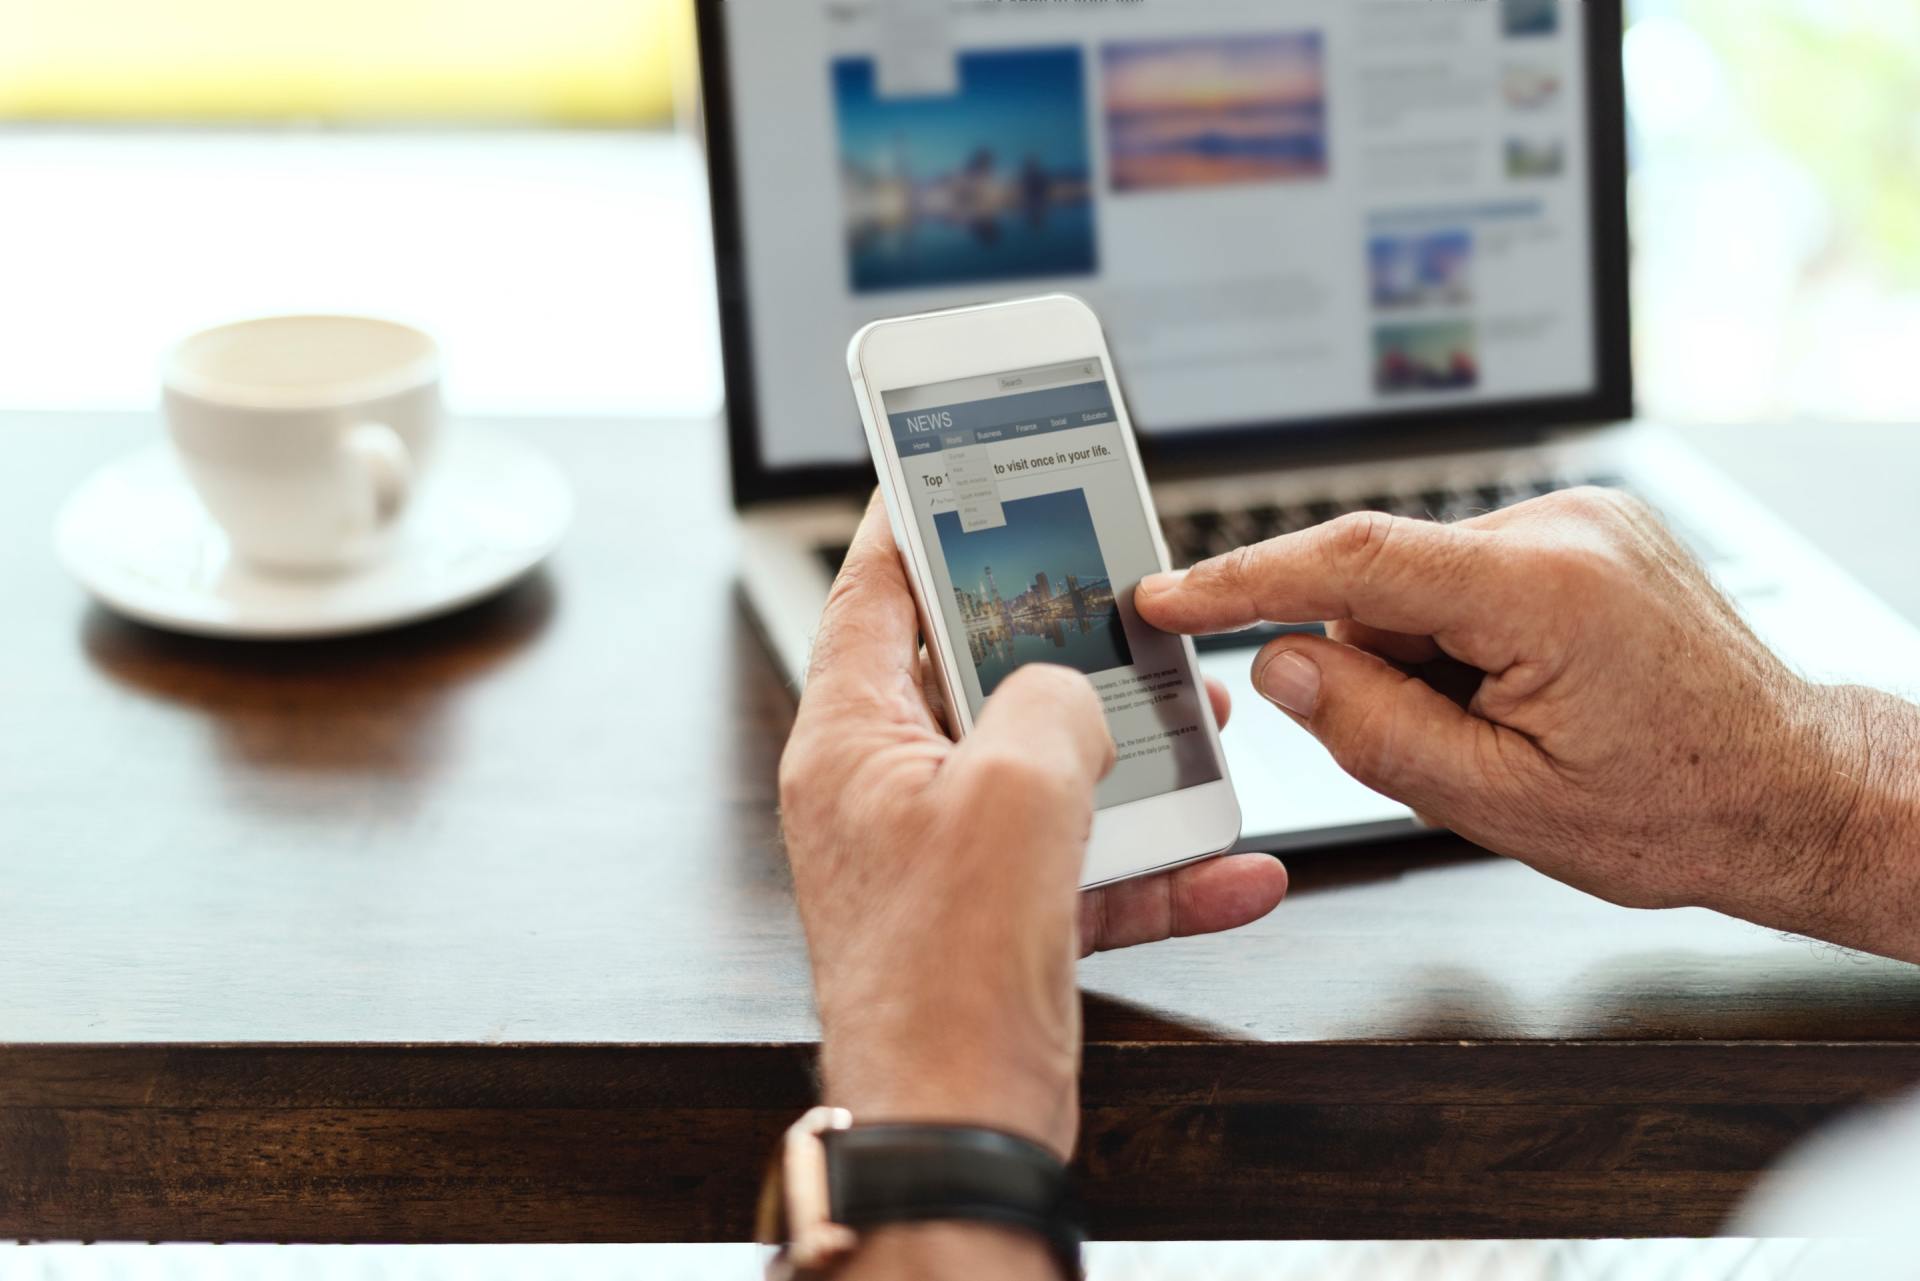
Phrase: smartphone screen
pixel 1024 494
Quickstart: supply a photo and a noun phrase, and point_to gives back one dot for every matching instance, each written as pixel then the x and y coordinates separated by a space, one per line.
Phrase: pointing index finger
pixel 1388 572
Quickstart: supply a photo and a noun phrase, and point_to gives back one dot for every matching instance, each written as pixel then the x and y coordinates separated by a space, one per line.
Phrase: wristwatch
pixel 832 1180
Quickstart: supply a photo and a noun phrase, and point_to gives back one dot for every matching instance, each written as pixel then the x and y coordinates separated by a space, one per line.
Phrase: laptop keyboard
pixel 1194 536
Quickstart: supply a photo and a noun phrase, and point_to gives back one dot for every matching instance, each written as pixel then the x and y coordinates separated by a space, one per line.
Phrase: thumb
pixel 1025 777
pixel 1047 724
pixel 1393 732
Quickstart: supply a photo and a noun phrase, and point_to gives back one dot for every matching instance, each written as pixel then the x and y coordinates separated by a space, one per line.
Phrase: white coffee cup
pixel 305 436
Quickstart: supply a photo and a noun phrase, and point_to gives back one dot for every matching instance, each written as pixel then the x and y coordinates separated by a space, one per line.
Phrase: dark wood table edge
pixel 611 1142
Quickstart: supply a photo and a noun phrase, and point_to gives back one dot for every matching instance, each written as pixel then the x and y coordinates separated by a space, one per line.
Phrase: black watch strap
pixel 891 1174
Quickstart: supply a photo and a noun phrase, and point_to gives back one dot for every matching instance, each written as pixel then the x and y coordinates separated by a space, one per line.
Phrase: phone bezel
pixel 1138 838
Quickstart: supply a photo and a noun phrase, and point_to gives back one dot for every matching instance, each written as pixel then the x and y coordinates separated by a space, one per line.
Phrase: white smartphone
pixel 1009 468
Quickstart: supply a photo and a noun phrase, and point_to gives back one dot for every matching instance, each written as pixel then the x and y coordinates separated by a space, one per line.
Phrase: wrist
pixel 951 1072
pixel 1848 871
pixel 938 1250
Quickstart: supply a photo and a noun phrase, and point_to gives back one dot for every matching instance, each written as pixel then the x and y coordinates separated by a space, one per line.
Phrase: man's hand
pixel 938 882
pixel 1561 682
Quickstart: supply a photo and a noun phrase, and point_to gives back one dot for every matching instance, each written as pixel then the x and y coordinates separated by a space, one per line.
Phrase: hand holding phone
pixel 1014 486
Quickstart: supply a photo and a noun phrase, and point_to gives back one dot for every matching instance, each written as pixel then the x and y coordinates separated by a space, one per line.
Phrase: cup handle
pixel 383 458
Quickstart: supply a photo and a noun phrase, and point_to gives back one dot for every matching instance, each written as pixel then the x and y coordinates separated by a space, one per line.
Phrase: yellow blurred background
pixel 569 62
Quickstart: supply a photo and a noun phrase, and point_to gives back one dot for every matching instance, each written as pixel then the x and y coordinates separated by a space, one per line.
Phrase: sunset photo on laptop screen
pixel 1216 110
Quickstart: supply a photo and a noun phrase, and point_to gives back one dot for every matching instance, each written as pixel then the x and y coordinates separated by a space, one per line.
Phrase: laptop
pixel 1350 254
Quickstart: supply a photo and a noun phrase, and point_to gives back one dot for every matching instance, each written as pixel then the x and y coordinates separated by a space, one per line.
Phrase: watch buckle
pixel 814 1239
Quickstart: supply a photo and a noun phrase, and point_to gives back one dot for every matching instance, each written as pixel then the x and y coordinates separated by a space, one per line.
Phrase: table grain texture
pixel 480 931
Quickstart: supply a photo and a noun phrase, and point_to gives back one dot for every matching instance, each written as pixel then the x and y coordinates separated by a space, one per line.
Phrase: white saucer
pixel 137 538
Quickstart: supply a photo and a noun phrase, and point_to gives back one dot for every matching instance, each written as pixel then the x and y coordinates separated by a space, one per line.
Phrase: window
pixel 556 61
pixel 1776 204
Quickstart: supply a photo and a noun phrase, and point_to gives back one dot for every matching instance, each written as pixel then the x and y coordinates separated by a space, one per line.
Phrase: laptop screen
pixel 1285 211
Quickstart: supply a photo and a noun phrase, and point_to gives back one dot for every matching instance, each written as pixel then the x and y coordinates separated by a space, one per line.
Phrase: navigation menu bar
pixel 983 422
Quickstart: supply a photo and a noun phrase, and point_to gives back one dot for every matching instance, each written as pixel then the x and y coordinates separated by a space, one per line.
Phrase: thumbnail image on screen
pixel 991 183
pixel 1442 356
pixel 1433 268
pixel 1035 590
pixel 1530 17
pixel 1216 111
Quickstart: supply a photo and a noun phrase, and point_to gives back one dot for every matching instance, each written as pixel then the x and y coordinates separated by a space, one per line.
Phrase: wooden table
pixel 480 931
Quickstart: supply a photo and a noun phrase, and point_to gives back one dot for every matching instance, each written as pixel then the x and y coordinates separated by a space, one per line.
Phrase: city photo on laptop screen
pixel 1285 211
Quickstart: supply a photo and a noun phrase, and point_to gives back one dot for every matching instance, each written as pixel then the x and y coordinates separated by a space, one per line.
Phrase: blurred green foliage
pixel 1835 84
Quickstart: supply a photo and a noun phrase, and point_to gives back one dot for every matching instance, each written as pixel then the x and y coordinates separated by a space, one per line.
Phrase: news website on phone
pixel 1024 493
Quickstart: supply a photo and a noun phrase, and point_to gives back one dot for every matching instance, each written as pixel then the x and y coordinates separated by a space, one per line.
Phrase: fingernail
pixel 1293 681
pixel 1154 584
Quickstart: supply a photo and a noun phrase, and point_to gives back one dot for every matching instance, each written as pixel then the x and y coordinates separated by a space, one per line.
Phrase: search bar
pixel 1078 371
pixel 991 386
